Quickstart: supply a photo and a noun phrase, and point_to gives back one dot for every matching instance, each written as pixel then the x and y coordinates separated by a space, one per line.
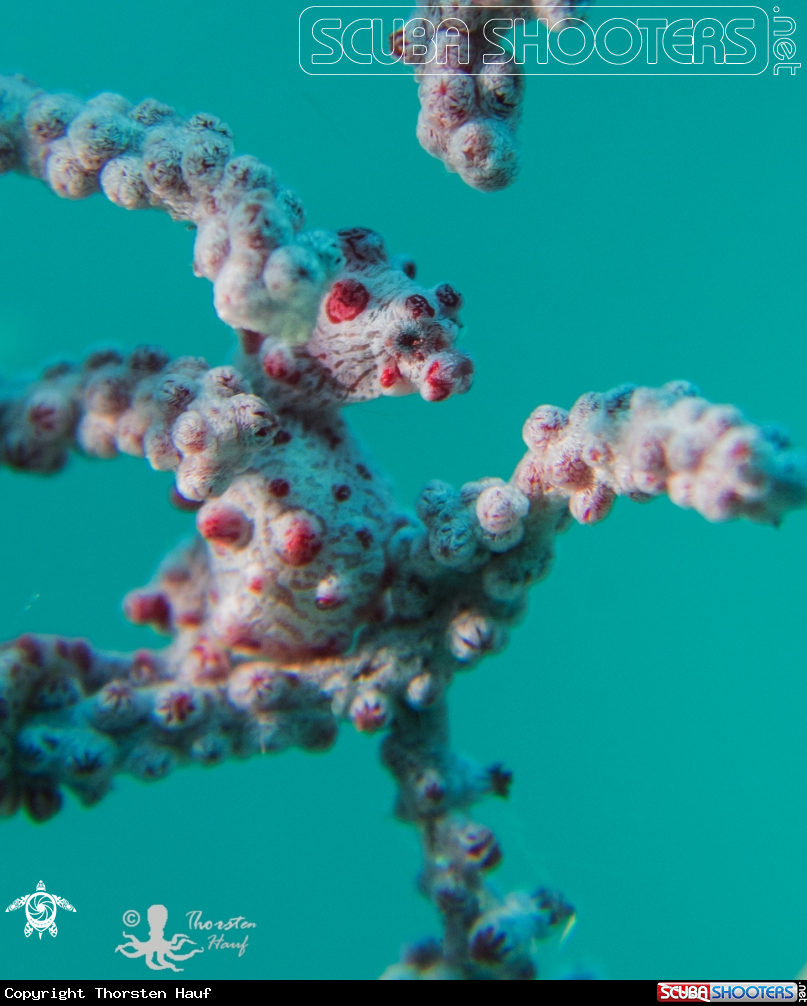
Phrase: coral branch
pixel 268 273
pixel 270 277
pixel 307 593
pixel 641 442
pixel 470 88
pixel 484 936
pixel 179 414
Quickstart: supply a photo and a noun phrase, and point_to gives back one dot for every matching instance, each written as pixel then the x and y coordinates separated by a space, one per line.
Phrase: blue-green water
pixel 651 705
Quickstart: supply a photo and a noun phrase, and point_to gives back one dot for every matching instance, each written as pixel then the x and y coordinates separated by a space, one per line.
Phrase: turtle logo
pixel 40 910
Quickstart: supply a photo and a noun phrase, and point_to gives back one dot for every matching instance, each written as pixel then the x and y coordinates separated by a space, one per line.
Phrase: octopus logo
pixel 40 910
pixel 156 948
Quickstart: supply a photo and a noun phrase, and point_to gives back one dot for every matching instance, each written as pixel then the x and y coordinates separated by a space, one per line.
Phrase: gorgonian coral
pixel 306 597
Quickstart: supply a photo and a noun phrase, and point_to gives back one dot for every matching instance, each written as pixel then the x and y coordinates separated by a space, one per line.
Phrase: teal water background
pixel 652 705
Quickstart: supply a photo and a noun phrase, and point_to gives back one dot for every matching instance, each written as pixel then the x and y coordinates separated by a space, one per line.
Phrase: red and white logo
pixel 679 991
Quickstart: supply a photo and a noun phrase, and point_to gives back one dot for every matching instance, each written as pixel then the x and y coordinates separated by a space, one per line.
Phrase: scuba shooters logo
pixel 730 991
pixel 675 40
pixel 683 990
